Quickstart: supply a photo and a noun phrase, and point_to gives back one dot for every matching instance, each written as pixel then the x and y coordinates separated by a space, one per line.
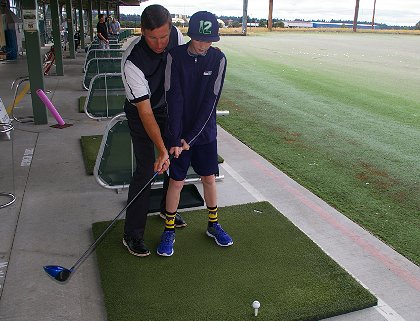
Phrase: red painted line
pixel 390 263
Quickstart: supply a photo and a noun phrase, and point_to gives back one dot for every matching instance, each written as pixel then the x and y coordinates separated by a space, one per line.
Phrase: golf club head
pixel 57 272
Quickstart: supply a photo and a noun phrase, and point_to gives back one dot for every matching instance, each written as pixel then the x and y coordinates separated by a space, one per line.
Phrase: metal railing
pixel 7 128
pixel 18 96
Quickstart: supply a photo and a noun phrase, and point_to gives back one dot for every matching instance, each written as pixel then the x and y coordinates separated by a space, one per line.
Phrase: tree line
pixel 133 21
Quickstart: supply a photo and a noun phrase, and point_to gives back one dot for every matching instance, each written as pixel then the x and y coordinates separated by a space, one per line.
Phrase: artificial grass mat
pixel 90 148
pixel 97 105
pixel 82 100
pixel 271 261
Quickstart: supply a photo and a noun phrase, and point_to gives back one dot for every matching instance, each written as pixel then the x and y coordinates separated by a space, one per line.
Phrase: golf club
pixel 60 273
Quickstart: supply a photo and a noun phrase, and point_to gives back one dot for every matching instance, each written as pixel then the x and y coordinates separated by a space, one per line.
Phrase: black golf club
pixel 60 273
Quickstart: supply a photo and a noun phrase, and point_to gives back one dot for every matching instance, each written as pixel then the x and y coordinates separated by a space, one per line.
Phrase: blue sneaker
pixel 219 235
pixel 166 245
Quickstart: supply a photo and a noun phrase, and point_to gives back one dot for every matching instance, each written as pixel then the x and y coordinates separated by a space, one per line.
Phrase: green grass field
pixel 340 114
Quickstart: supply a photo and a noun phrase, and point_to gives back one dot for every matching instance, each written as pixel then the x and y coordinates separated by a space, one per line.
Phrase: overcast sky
pixel 391 12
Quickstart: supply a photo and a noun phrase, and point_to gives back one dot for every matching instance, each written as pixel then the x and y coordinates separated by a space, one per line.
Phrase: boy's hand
pixel 185 145
pixel 177 150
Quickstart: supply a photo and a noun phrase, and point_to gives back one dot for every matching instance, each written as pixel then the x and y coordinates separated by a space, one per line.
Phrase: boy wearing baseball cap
pixel 194 79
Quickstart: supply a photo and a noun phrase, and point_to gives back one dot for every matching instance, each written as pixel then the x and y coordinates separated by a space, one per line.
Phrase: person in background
pixel 64 33
pixel 115 27
pixel 143 74
pixel 194 79
pixel 102 32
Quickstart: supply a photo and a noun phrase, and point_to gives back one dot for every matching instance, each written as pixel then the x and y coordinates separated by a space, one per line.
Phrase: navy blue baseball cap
pixel 203 26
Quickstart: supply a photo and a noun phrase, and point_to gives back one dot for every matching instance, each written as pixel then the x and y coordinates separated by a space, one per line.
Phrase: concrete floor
pixel 50 222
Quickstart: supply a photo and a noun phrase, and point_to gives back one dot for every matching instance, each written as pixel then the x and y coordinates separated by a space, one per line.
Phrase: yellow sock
pixel 170 221
pixel 212 215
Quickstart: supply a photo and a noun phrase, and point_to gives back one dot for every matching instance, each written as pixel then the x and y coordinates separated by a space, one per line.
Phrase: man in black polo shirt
pixel 102 32
pixel 143 73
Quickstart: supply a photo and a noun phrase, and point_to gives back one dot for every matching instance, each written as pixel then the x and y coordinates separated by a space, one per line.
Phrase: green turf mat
pixel 271 261
pixel 97 105
pixel 82 100
pixel 90 148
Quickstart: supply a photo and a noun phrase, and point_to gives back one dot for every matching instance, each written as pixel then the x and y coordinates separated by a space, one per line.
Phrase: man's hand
pixel 162 162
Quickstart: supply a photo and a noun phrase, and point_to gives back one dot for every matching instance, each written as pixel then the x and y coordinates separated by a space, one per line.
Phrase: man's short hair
pixel 100 16
pixel 155 16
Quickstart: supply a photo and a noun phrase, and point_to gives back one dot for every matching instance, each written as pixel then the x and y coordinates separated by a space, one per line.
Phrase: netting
pixel 117 161
pixel 106 96
pixel 102 53
pixel 99 66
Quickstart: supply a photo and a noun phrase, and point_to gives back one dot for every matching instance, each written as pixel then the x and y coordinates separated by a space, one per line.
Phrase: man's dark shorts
pixel 203 159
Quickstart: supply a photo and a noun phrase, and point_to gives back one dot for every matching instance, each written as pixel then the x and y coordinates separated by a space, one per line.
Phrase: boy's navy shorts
pixel 202 158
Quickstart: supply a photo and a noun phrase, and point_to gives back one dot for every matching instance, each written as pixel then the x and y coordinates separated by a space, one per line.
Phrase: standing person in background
pixel 194 79
pixel 102 32
pixel 108 21
pixel 115 27
pixel 143 74
pixel 64 33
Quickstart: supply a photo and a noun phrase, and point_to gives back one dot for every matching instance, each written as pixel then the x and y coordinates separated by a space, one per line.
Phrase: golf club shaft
pixel 99 239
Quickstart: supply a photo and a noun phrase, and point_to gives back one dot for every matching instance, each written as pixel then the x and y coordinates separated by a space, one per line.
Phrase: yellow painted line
pixel 18 98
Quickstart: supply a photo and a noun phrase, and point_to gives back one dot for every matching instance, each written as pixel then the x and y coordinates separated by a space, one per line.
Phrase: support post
pixel 244 17
pixel 55 23
pixel 90 20
pixel 270 15
pixel 33 58
pixel 373 15
pixel 117 9
pixel 43 35
pixel 82 27
pixel 356 14
pixel 69 17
